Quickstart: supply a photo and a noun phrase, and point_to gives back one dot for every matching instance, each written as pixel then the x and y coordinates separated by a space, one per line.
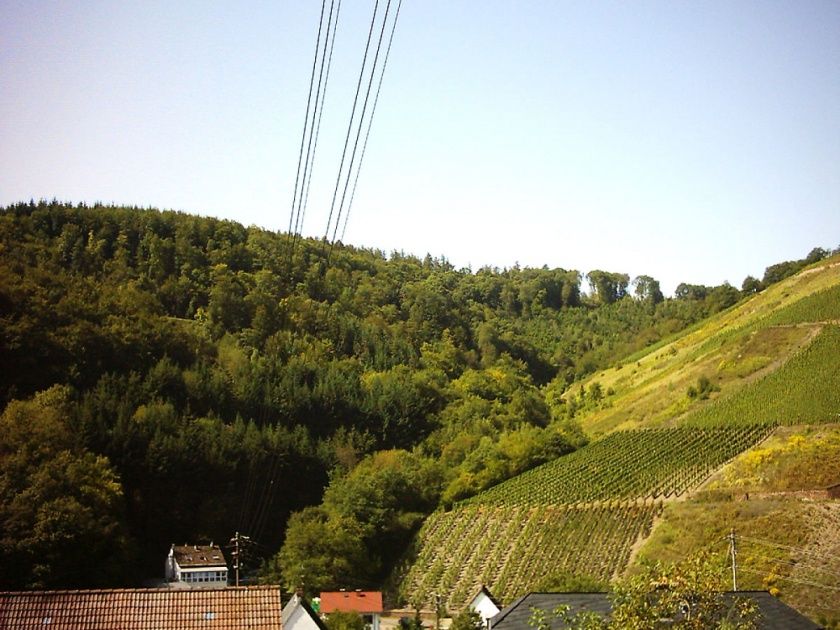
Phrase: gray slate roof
pixel 775 614
pixel 516 616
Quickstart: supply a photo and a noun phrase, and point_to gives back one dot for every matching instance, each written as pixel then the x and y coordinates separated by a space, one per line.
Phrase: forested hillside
pixel 170 378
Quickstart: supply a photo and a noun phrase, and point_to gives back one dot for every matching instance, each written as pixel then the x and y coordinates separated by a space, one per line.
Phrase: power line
pixel 248 498
pixel 361 122
pixel 769 543
pixel 795 564
pixel 263 503
pixel 321 111
pixel 262 498
pixel 309 151
pixel 370 120
pixel 306 118
pixel 352 116
pixel 796 580
pixel 268 494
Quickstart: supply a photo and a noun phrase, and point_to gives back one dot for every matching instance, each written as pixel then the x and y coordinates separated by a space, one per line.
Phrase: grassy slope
pixel 776 352
pixel 806 389
pixel 731 349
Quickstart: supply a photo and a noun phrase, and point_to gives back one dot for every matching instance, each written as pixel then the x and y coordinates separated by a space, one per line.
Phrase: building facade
pixel 196 566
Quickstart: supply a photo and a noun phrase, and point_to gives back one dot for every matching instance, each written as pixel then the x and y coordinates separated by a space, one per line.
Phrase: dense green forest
pixel 171 378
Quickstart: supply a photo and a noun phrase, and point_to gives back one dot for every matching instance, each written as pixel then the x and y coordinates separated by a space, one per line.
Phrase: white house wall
pixel 485 607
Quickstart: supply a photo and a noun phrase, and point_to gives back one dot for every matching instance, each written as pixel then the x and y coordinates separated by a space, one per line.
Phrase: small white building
pixel 299 615
pixel 196 566
pixel 485 605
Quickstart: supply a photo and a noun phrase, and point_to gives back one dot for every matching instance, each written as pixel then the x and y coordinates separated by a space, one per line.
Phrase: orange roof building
pixel 255 608
pixel 362 602
pixel 367 603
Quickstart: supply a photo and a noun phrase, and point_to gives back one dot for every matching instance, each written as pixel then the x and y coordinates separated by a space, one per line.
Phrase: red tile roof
pixel 143 609
pixel 352 601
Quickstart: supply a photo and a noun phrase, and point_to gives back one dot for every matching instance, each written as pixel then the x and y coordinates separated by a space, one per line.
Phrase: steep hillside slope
pixel 513 548
pixel 207 361
pixel 650 463
pixel 728 351
pixel 579 516
pixel 787 524
pixel 715 393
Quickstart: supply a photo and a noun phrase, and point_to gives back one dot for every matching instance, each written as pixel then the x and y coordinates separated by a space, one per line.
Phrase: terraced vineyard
pixel 820 307
pixel 578 515
pixel 805 390
pixel 650 463
pixel 511 549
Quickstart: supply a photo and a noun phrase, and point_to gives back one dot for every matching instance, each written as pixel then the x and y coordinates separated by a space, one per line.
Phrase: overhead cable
pixel 769 543
pixel 253 507
pixel 361 121
pixel 370 120
pixel 320 113
pixel 352 118
pixel 795 580
pixel 798 565
pixel 306 117
pixel 318 100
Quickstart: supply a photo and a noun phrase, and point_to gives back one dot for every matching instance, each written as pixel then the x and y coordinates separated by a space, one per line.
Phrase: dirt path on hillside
pixel 815 330
pixel 808 272
pixel 803 495
pixel 639 543
pixel 659 516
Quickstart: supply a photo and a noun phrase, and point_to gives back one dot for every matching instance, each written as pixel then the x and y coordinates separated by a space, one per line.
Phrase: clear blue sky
pixel 691 141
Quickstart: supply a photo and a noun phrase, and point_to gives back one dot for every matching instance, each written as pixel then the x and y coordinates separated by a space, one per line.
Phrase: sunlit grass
pixel 805 390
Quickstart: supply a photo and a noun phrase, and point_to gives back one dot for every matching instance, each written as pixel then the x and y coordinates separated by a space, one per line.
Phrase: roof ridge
pixel 74 591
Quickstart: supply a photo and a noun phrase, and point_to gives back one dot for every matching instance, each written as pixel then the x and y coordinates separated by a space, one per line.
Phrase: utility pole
pixel 734 553
pixel 237 541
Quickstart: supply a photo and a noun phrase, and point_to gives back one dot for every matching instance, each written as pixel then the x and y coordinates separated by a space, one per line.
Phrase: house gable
pixel 298 615
pixel 485 605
